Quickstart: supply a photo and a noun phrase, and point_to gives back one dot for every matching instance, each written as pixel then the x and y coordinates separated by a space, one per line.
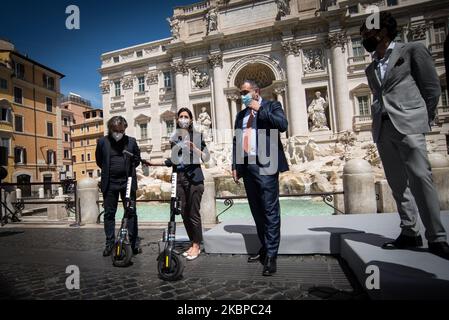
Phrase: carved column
pixel 234 111
pixel 297 111
pixel 180 68
pixel 343 109
pixel 222 115
pixel 279 91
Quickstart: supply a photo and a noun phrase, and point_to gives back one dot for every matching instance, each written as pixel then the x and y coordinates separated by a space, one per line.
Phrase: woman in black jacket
pixel 188 150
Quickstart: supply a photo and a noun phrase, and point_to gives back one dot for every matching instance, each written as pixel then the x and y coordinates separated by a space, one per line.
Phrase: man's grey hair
pixel 116 121
pixel 252 83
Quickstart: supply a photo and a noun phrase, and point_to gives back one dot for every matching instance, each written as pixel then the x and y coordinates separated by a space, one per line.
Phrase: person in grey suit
pixel 406 90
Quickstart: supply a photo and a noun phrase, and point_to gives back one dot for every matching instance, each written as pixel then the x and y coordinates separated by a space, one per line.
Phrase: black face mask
pixel 370 43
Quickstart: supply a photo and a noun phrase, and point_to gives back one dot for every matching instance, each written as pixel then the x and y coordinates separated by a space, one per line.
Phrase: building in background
pixel 73 107
pixel 292 51
pixel 84 138
pixel 29 95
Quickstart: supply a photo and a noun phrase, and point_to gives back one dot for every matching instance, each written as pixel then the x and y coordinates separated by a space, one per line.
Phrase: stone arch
pixel 265 64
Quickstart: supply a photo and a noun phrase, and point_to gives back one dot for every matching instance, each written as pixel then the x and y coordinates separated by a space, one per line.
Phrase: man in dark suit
pixel 406 90
pixel 115 168
pixel 258 157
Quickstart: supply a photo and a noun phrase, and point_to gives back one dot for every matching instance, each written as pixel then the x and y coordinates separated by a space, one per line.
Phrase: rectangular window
pixel 67 168
pixel 364 107
pixel 392 3
pixel 20 155
pixel 5 115
pixel 88 157
pixel 357 48
pixel 49 82
pixel 5 143
pixel 90 173
pixel 167 79
pixel 66 154
pixel 170 127
pixel 49 104
pixel 143 131
pixel 82 158
pixel 20 71
pixel 18 97
pixel 3 84
pixel 74 159
pixel 49 129
pixel 116 59
pixel 118 92
pixel 66 137
pixel 66 122
pixel 141 84
pixel 18 123
pixel 139 54
pixel 51 157
pixel 94 114
pixel 444 97
pixel 439 30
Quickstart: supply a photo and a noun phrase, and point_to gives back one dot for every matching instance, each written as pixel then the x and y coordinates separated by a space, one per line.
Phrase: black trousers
pixel 263 197
pixel 190 196
pixel 110 208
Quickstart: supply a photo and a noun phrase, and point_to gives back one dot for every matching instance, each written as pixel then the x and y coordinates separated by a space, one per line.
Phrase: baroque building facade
pixel 307 54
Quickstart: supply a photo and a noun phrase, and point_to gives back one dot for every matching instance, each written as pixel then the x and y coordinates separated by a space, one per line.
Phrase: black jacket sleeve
pixel 276 117
pixel 99 153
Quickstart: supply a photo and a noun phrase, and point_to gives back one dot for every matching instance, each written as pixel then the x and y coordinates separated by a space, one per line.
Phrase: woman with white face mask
pixel 188 150
pixel 114 175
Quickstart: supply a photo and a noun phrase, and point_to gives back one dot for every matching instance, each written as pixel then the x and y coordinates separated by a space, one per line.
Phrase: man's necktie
pixel 247 135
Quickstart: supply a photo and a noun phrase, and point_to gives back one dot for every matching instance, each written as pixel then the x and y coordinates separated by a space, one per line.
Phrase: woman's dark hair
pixel 190 116
pixel 387 21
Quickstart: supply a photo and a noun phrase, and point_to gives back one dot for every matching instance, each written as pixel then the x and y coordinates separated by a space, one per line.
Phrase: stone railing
pixel 443 114
pixel 358 62
pixel 362 122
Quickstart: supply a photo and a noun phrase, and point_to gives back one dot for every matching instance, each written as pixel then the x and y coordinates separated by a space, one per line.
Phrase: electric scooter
pixel 122 251
pixel 170 266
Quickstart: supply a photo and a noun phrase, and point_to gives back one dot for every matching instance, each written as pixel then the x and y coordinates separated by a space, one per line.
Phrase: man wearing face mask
pixel 114 166
pixel 258 157
pixel 406 90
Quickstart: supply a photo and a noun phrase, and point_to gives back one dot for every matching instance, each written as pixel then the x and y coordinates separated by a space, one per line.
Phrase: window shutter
pixel 54 157
pixel 24 155
pixel 48 156
pixel 16 155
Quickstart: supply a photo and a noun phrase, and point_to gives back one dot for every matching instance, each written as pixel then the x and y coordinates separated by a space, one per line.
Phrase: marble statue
pixel 200 79
pixel 174 27
pixel 212 20
pixel 205 122
pixel 283 8
pixel 316 112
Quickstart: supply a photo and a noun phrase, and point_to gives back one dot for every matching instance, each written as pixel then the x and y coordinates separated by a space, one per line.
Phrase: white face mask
pixel 184 123
pixel 117 136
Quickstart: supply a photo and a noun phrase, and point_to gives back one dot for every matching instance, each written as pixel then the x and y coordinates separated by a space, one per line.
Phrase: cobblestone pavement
pixel 33 265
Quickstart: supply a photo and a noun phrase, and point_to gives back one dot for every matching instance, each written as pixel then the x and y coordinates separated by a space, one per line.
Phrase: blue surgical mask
pixel 246 99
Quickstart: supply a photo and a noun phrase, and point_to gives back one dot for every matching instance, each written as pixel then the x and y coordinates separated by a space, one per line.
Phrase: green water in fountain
pixel 159 212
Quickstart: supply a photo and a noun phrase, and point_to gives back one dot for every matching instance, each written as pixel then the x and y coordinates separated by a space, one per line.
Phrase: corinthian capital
pixel 216 60
pixel 337 39
pixel 291 47
pixel 180 67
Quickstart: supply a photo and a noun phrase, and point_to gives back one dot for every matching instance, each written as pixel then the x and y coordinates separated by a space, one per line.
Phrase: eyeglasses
pixel 244 92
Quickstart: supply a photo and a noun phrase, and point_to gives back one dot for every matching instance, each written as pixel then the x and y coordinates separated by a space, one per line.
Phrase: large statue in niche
pixel 205 123
pixel 317 113
pixel 212 20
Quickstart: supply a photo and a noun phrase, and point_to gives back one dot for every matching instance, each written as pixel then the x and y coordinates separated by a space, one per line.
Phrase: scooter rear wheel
pixel 121 255
pixel 175 269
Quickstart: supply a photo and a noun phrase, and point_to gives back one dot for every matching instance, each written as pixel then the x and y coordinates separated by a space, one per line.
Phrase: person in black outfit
pixel 115 166
pixel 188 149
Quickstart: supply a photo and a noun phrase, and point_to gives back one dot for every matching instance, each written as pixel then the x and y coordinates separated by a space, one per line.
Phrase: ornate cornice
pixel 216 60
pixel 418 32
pixel 291 47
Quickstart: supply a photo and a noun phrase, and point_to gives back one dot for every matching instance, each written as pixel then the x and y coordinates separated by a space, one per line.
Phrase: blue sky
pixel 37 28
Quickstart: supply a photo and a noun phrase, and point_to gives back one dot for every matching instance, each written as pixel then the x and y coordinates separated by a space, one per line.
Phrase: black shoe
pixel 107 251
pixel 440 249
pixel 137 251
pixel 269 267
pixel 403 242
pixel 260 256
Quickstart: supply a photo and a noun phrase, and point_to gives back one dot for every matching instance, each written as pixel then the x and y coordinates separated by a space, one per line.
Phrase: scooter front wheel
pixel 121 254
pixel 170 269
